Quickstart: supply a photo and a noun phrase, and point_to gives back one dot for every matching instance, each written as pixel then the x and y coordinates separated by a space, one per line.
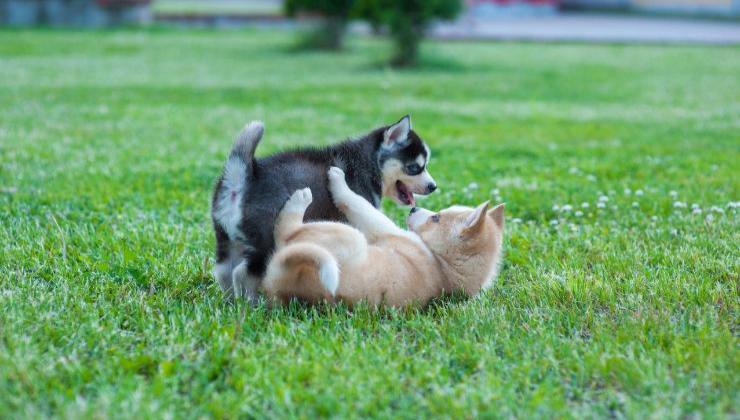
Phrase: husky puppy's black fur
pixel 389 161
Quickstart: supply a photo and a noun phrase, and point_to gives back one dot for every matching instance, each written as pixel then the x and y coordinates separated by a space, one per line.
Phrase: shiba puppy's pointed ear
pixel 398 133
pixel 475 221
pixel 497 214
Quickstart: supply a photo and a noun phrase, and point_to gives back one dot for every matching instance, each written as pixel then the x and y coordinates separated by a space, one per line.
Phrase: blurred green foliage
pixel 334 13
pixel 406 20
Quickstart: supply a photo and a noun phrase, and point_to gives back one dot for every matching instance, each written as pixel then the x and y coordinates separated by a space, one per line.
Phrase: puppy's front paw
pixel 335 174
pixel 299 201
pixel 337 183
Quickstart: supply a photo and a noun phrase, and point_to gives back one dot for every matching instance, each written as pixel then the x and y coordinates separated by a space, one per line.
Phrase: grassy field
pixel 228 7
pixel 618 164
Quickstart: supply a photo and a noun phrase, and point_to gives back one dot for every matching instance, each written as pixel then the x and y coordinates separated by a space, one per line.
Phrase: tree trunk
pixel 407 35
pixel 329 35
pixel 334 28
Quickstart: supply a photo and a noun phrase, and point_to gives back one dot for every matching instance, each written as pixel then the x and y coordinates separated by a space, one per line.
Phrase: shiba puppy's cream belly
pixel 393 274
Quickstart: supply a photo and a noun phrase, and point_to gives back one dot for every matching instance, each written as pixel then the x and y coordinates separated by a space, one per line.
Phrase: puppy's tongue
pixel 406 196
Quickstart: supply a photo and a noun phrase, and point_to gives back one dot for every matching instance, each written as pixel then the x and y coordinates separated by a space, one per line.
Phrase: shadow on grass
pixel 298 310
pixel 428 64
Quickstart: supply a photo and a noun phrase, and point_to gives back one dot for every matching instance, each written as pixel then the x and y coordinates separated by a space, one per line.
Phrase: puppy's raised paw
pixel 337 183
pixel 335 174
pixel 299 201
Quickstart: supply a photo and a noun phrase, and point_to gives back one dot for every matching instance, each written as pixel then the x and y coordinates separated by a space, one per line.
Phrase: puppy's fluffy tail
pixel 240 164
pixel 302 270
pixel 247 141
pixel 238 170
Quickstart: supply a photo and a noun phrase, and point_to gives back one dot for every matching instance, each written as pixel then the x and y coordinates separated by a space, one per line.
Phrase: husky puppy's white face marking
pixel 403 162
pixel 425 179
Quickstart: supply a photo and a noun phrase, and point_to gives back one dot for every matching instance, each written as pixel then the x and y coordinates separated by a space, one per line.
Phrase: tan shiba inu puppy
pixel 456 249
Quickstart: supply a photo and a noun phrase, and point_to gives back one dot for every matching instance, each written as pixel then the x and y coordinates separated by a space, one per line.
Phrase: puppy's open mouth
pixel 405 195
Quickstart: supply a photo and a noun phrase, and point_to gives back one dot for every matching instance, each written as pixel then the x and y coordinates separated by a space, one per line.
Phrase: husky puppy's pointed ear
pixel 497 214
pixel 398 133
pixel 475 221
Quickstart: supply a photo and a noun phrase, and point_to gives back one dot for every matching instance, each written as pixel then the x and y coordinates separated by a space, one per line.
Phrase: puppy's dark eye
pixel 435 218
pixel 413 169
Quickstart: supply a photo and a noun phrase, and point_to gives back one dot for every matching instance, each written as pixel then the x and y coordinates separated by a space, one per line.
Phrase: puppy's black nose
pixel 413 210
pixel 431 187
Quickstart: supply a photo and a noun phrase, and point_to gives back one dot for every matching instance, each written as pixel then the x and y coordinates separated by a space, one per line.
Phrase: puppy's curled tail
pixel 246 143
pixel 295 269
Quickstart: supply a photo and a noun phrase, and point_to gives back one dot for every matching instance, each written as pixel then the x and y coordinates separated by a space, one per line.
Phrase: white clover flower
pixel 557 277
pixel 590 177
pixel 566 208
pixel 696 211
pixel 573 227
pixel 473 186
pixel 603 199
pixel 679 205
pixel 553 222
pixel 600 205
pixel 573 170
pixel 494 191
pixel 635 204
pixel 578 213
pixel 516 220
pixel 627 191
pixel 555 207
pixel 733 204
pixel 695 206
pixel 639 193
pixel 585 205
pixel 654 218
pixel 709 217
pixel 674 232
pixel 716 209
pixel 673 194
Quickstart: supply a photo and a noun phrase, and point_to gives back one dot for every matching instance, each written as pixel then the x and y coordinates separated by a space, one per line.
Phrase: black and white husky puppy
pixel 389 162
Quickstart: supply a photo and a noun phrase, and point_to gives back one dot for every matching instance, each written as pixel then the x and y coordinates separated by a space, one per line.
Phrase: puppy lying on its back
pixel 456 249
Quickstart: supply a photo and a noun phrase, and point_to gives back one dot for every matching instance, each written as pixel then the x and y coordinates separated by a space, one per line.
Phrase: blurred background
pixel 693 21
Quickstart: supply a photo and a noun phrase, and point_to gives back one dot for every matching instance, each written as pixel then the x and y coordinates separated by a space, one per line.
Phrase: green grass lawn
pixel 228 7
pixel 619 291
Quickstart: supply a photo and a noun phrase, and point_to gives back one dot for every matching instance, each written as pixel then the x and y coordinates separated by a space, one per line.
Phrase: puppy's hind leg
pixel 302 270
pixel 291 216
pixel 223 273
pixel 228 255
pixel 245 285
